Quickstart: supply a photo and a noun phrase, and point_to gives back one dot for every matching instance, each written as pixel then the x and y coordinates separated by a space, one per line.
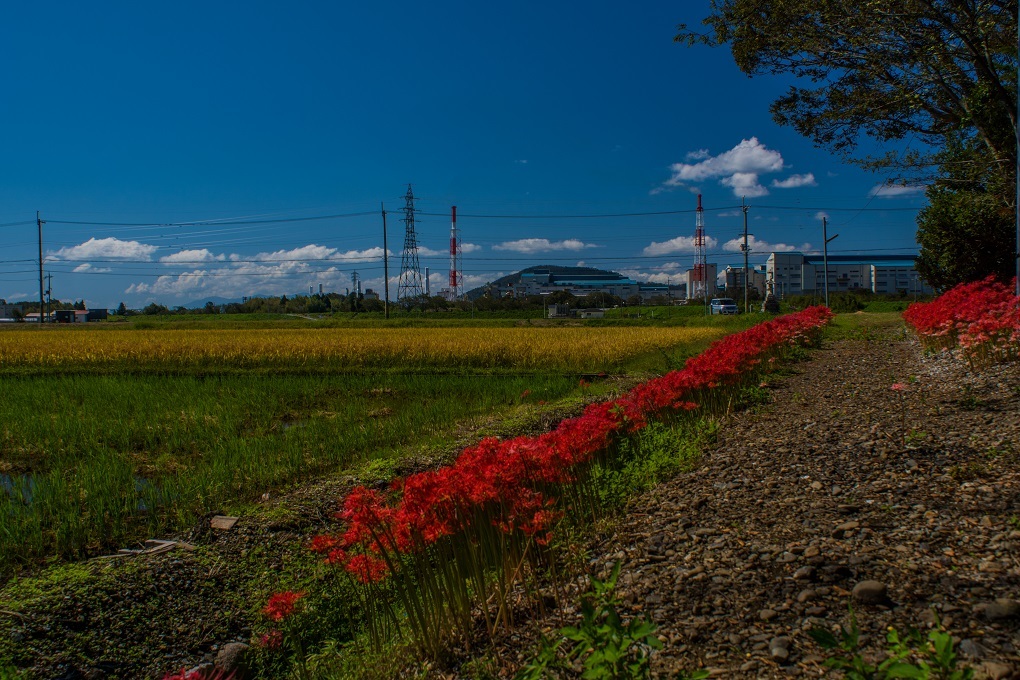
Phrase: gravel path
pixel 840 480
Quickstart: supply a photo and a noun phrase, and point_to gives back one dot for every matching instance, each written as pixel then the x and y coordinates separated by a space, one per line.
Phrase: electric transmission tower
pixel 700 273
pixel 409 286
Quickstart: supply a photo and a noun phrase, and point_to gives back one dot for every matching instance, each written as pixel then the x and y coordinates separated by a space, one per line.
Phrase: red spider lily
pixel 367 569
pixel 282 605
pixel 273 640
pixel 198 674
pixel 324 543
pixel 897 387
pixel 981 318
pixel 513 482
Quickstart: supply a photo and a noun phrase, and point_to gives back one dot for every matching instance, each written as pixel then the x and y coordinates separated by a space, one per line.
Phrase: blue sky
pixel 171 149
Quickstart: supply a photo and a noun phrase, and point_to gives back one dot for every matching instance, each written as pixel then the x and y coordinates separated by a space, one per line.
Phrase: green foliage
pixel 659 452
pixel 967 230
pixel 602 646
pixel 181 446
pixel 906 656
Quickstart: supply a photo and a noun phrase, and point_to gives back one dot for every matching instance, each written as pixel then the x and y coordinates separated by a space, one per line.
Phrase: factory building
pixel 799 274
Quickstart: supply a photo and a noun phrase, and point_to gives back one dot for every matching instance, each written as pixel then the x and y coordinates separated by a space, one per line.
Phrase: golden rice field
pixel 571 348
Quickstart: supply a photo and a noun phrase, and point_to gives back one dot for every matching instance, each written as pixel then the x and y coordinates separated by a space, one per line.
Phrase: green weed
pixel 602 645
pixel 906 656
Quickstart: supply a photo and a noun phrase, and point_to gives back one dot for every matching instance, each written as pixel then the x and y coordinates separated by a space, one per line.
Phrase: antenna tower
pixel 409 286
pixel 700 268
pixel 456 275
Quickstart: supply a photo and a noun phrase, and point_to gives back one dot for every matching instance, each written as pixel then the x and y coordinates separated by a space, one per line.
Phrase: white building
pixel 711 274
pixel 798 274
pixel 735 278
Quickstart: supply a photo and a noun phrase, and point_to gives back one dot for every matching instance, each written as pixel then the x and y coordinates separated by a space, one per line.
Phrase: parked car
pixel 723 306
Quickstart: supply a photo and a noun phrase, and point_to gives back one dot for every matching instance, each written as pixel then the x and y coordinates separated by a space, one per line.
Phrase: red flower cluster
pixel 981 318
pixel 281 605
pixel 198 674
pixel 512 482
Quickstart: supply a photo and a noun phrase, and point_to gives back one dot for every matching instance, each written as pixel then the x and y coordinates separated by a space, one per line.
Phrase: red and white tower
pixel 456 276
pixel 699 274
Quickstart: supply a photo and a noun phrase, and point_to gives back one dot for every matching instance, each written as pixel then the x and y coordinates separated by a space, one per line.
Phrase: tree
pixel 122 309
pixel 938 72
pixel 967 231
pixel 918 69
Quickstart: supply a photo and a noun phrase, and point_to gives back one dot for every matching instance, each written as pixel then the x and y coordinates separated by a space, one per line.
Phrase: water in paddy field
pixel 20 487
pixel 23 488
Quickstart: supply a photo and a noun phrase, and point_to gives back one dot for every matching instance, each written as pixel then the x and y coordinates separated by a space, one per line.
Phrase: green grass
pixel 94 460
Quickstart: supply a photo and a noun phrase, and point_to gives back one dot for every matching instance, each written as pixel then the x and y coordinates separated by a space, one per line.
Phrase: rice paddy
pixel 109 436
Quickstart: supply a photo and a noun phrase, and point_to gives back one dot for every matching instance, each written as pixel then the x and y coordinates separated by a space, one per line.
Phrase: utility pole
pixel 825 257
pixel 744 247
pixel 386 266
pixel 42 313
pixel 49 291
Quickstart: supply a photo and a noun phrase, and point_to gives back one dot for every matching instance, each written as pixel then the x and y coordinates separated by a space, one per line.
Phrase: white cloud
pixel 523 161
pixel 739 168
pixel 542 245
pixel 106 249
pixel 680 244
pixel 730 213
pixel 424 251
pixel 281 272
pixel 759 247
pixel 745 184
pixel 795 181
pixel 191 257
pixel 466 248
pixel 896 190
pixel 85 267
pixel 16 296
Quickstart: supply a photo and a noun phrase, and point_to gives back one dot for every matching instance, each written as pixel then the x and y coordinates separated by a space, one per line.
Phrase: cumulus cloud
pixel 267 273
pixel 542 245
pixel 760 247
pixel 466 248
pixel 680 244
pixel 85 267
pixel 745 184
pixel 795 181
pixel 191 256
pixel 106 249
pixel 739 168
pixel 670 273
pixel 896 190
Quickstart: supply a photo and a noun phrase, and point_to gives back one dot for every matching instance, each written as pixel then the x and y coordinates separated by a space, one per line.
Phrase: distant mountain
pixel 198 304
pixel 512 279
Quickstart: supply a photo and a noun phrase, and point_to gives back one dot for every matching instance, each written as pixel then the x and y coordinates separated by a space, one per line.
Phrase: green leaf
pixel 824 638
pixel 905 670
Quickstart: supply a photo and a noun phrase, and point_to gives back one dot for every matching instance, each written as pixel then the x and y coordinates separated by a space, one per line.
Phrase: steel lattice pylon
pixel 700 273
pixel 409 285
